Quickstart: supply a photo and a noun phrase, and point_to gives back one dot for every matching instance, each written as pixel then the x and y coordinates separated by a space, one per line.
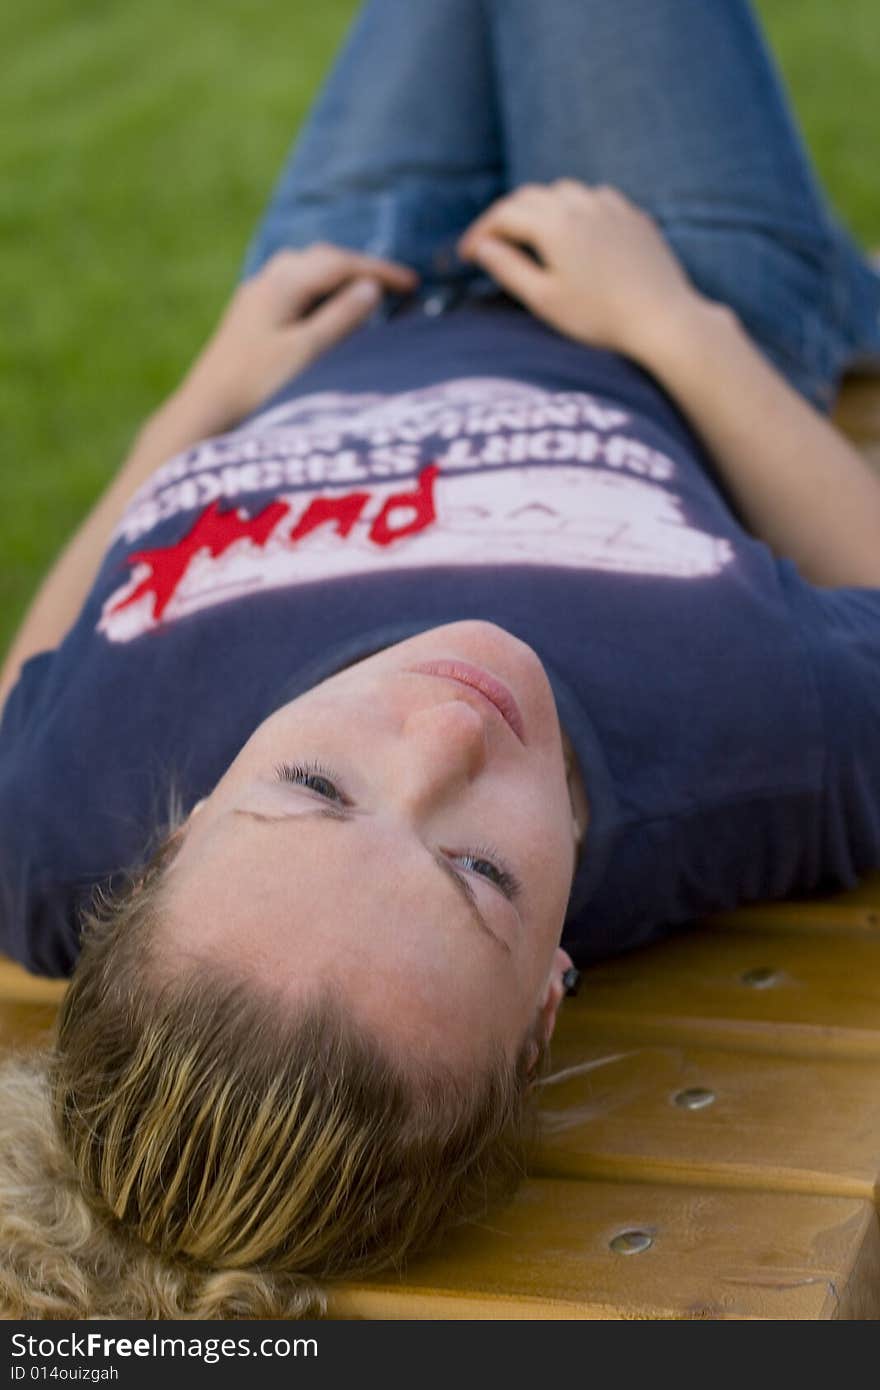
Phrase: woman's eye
pixel 479 863
pixel 311 775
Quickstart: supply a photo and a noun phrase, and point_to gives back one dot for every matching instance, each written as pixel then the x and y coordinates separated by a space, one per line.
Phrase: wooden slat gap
pixel 743 1035
pixel 715 1178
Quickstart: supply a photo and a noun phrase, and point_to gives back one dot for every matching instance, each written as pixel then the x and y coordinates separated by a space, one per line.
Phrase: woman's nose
pixel 443 746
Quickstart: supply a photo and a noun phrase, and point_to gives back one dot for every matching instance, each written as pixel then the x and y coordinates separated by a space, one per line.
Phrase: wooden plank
pixel 28 1005
pixel 857 910
pixel 25 1023
pixel 714 1254
pixel 612 1109
pixel 16 984
pixel 798 993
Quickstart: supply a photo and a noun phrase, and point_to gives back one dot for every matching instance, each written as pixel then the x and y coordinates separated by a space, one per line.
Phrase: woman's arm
pixel 182 421
pixel 798 483
pixel 609 278
pixel 270 332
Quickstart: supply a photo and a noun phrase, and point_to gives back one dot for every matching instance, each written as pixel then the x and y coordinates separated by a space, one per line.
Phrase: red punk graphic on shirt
pixel 470 472
pixel 215 531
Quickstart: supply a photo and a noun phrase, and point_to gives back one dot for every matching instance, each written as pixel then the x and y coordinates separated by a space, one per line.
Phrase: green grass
pixel 140 142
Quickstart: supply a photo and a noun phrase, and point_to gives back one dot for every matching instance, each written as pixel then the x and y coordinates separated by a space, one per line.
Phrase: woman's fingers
pixel 496 240
pixel 514 270
pixel 334 319
pixel 282 318
pixel 297 278
pixel 519 216
pixel 329 265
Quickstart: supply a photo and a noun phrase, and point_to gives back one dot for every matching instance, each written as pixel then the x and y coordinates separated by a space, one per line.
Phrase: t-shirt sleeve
pixel 24 699
pixel 36 913
pixel 842 630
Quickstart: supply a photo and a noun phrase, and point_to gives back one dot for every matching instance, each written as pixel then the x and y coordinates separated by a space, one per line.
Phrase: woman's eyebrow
pixel 340 813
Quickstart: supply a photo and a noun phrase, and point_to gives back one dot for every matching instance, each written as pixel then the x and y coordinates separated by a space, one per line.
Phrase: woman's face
pixel 342 846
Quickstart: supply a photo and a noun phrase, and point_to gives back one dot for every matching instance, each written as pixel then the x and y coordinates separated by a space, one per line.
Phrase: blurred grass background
pixel 140 144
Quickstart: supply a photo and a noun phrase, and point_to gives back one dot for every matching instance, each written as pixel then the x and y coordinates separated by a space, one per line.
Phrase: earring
pixel 571 981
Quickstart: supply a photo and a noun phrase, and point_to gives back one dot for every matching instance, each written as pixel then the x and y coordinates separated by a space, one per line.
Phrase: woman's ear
pixel 181 829
pixel 554 993
pixel 179 834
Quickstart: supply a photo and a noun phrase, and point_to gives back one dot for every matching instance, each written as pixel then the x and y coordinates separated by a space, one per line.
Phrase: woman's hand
pixel 272 328
pixel 606 274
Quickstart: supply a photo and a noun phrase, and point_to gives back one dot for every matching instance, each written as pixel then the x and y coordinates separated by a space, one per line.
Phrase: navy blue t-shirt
pixel 726 714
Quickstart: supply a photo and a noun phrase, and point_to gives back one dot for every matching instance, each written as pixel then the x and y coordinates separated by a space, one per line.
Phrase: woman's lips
pixel 478 679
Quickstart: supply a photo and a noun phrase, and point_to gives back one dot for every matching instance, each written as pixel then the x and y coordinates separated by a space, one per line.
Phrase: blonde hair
pixel 185 1149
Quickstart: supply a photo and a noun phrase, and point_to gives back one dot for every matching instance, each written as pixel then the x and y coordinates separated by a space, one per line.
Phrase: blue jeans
pixel 436 107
